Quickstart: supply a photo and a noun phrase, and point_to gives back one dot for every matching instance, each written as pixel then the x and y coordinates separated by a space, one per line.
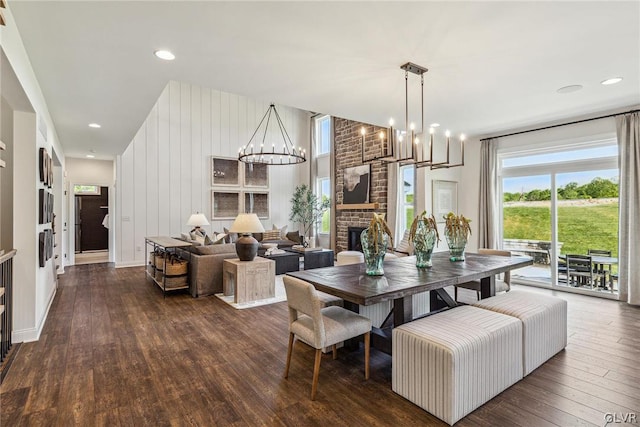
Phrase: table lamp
pixel 196 220
pixel 247 245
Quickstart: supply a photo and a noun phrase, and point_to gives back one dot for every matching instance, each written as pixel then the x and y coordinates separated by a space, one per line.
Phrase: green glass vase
pixel 457 243
pixel 423 242
pixel 374 247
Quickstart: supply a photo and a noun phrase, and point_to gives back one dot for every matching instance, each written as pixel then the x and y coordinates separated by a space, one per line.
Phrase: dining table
pixel 402 279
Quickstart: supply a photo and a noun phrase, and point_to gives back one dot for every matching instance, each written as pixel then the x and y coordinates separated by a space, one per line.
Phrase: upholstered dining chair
pixel 503 285
pixel 322 327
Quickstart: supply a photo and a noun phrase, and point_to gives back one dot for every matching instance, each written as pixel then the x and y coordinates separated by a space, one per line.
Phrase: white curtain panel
pixel 393 200
pixel 488 235
pixel 628 130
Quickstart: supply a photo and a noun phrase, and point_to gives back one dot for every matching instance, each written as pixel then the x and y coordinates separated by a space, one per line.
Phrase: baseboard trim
pixel 24 335
pixel 129 264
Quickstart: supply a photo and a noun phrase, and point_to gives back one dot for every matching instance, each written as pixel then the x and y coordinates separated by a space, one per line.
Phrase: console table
pixel 158 276
pixel 249 280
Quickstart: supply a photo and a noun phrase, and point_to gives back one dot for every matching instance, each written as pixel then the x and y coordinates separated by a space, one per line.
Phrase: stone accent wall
pixel 347 154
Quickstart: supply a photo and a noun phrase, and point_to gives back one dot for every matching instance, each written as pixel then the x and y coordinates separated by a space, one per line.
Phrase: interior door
pixel 90 214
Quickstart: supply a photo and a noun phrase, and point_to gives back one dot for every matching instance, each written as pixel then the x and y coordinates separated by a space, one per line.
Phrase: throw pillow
pixel 218 239
pixel 258 236
pixel 294 236
pixel 230 237
pixel 271 235
pixel 283 231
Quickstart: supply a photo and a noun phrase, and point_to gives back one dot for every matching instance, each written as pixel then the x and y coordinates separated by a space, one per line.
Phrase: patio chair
pixel 604 269
pixel 580 270
pixel 563 269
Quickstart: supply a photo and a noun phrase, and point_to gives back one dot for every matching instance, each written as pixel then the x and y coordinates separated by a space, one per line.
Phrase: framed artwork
pixel 444 199
pixel 355 185
pixel 225 204
pixel 256 175
pixel 257 203
pixel 225 171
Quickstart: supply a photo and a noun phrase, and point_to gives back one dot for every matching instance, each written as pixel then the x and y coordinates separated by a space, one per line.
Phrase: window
pixel 323 135
pixel 86 189
pixel 406 193
pixel 324 193
pixel 561 201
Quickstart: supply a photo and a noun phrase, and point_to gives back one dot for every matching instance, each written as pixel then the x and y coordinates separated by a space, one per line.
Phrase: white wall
pixel 164 175
pixel 34 287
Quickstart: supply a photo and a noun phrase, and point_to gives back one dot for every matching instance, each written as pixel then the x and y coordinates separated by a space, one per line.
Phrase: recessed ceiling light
pixel 90 156
pixel 94 125
pixel 569 89
pixel 164 54
pixel 434 125
pixel 611 81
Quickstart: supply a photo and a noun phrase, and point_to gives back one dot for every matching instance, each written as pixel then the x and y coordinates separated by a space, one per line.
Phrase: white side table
pixel 249 280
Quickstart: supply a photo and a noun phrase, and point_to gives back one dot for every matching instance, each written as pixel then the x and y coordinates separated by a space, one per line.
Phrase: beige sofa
pixel 206 268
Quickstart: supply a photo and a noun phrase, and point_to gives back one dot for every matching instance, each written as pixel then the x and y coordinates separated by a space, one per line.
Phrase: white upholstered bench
pixel 544 320
pixel 453 362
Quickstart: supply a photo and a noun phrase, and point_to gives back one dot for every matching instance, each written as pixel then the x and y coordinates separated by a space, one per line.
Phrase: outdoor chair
pixel 603 269
pixel 563 269
pixel 580 270
pixel 503 285
pixel 321 327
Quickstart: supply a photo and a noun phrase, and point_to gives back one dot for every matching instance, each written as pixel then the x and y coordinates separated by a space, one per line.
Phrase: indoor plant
pixel 306 209
pixel 375 239
pixel 456 231
pixel 424 235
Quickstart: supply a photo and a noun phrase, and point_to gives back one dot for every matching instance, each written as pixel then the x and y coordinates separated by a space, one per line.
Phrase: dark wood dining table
pixel 402 279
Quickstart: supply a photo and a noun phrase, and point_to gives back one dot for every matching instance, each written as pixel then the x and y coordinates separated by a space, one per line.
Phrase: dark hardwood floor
pixel 115 352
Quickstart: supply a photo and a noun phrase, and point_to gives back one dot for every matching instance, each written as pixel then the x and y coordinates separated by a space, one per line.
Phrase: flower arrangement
pixel 377 227
pixel 429 223
pixel 457 226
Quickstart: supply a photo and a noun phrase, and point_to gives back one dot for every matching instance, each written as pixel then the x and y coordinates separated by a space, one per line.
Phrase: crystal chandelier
pixel 406 147
pixel 271 155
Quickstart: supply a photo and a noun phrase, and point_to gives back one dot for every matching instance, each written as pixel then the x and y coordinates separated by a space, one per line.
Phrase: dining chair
pixel 503 285
pixel 580 270
pixel 322 327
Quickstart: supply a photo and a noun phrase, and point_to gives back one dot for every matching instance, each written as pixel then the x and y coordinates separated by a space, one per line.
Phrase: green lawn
pixel 579 227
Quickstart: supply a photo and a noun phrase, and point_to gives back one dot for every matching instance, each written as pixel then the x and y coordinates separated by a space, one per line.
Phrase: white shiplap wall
pixel 164 175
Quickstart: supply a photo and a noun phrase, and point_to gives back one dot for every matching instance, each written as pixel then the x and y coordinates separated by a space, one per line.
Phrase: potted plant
pixel 424 235
pixel 375 239
pixel 307 209
pixel 456 231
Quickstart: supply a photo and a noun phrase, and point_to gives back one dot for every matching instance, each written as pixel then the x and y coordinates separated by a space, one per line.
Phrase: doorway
pixel 91 207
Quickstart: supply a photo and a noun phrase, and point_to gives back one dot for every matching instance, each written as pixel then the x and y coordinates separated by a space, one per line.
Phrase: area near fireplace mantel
pixel 342 207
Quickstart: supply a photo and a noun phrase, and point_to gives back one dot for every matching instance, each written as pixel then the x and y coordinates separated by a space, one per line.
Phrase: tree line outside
pixel 598 188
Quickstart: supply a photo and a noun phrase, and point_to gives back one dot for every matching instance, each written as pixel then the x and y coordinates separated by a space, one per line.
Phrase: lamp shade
pixel 197 220
pixel 246 223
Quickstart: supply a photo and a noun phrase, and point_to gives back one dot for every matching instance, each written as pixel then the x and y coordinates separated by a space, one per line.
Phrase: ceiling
pixel 493 66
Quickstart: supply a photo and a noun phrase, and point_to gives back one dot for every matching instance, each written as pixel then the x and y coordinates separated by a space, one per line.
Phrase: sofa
pixel 205 271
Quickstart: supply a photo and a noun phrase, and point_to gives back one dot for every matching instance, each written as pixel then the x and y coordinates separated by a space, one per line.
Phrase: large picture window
pixel 407 197
pixel 559 206
pixel 323 135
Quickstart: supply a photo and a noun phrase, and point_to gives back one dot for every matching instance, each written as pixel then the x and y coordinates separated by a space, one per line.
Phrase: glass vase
pixel 457 243
pixel 374 247
pixel 423 242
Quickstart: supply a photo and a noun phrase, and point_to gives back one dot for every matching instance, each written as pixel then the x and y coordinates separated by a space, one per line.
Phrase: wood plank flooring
pixel 115 352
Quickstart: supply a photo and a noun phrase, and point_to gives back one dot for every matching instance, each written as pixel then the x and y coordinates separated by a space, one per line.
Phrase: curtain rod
pixel 562 124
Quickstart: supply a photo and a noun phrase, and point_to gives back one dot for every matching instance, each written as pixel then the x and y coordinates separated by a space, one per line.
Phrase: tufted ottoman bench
pixel 453 362
pixel 349 257
pixel 544 320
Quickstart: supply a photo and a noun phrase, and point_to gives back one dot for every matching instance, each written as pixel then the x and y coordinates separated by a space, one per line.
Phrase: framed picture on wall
pixel 356 185
pixel 225 171
pixel 225 204
pixel 444 199
pixel 257 203
pixel 256 175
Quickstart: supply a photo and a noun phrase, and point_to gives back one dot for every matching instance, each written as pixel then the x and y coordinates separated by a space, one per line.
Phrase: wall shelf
pixel 358 206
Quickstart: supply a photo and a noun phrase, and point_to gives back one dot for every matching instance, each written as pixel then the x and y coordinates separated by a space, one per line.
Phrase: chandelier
pixel 271 155
pixel 406 147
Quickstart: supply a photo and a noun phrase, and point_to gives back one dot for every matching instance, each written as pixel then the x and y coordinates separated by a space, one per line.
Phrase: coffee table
pixel 285 262
pixel 315 259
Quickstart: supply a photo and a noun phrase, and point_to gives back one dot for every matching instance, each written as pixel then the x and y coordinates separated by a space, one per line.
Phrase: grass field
pixel 579 227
